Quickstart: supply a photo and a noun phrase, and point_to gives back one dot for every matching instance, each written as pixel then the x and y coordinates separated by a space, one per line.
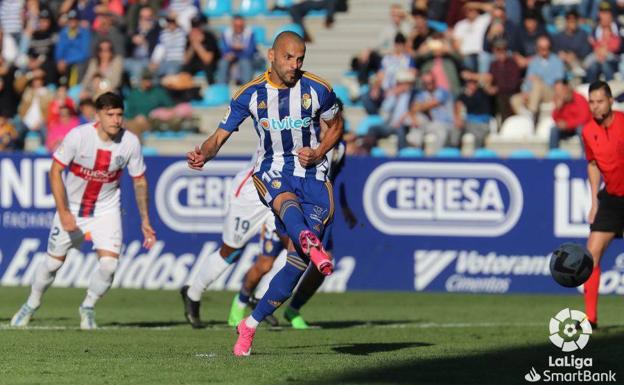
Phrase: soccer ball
pixel 571 265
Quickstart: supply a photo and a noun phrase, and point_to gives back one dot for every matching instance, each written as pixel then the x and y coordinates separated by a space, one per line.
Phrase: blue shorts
pixel 270 243
pixel 315 197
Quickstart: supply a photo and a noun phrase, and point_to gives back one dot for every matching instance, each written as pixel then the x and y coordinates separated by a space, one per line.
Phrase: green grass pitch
pixel 358 338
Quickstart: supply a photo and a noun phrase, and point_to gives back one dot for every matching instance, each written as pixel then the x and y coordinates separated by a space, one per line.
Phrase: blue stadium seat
pixel 281 3
pixel 367 123
pixel 218 8
pixel 296 28
pixel 558 153
pixel 411 152
pixel 215 95
pixel 437 26
pixel 522 154
pixel 485 153
pixel 149 151
pixel 343 94
pixel 74 93
pixel 378 152
pixel 41 150
pixel 448 152
pixel 251 8
pixel 260 34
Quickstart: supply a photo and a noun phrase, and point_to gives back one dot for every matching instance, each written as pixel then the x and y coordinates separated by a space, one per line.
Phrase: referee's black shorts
pixel 610 215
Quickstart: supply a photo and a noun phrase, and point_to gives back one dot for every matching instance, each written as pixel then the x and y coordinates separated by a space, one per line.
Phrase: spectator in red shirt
pixel 571 113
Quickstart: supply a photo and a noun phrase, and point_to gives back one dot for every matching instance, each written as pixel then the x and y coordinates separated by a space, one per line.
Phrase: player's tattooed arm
pixel 141 194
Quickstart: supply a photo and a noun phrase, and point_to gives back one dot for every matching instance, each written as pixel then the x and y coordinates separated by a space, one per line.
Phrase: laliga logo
pixel 192 201
pixel 565 333
pixel 428 198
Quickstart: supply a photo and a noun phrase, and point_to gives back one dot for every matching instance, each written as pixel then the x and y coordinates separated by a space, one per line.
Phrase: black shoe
pixel 191 309
pixel 253 301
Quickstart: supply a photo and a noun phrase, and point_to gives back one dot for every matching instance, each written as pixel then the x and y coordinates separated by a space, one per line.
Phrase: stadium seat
pixel 296 28
pixel 448 152
pixel 74 93
pixel 517 127
pixel 543 128
pixel 522 154
pixel 215 95
pixel 411 152
pixel 378 152
pixel 558 153
pixel 41 150
pixel 281 3
pixel 437 26
pixel 218 8
pixel 485 153
pixel 367 123
pixel 260 35
pixel 343 94
pixel 149 151
pixel 251 8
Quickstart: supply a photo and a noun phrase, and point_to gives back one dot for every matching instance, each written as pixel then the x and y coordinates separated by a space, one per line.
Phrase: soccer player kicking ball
pixel 287 105
pixel 603 137
pixel 87 203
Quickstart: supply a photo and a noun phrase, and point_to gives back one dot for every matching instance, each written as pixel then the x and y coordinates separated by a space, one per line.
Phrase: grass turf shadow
pixel 503 366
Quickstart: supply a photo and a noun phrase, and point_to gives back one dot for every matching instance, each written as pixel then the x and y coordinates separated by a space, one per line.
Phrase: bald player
pixel 290 175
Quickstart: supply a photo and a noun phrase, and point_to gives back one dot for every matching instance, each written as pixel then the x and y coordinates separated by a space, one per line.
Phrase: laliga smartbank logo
pixel 569 331
pixel 195 201
pixel 429 198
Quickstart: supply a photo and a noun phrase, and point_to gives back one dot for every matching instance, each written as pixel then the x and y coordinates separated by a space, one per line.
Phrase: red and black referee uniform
pixel 605 146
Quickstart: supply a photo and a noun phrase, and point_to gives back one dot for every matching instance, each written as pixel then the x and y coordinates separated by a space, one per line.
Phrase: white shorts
pixel 245 216
pixel 104 231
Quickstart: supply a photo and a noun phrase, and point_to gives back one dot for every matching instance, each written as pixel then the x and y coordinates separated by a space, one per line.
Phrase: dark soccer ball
pixel 571 265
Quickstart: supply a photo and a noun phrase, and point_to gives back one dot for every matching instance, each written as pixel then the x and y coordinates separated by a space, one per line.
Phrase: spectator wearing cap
pixel 141 44
pixel 431 113
pixel 468 35
pixel 385 79
pixel 504 79
pixel 108 65
pixel 439 58
pixel 238 46
pixel 543 71
pixel 605 42
pixel 73 49
pixel 572 44
pixel 570 115
pixel 202 50
pixel 168 55
pixel 472 113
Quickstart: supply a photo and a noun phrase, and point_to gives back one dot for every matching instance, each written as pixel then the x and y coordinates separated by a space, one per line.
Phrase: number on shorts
pixel 55 232
pixel 243 225
pixel 271 174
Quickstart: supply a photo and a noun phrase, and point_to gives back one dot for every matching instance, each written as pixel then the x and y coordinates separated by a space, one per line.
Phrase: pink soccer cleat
pixel 242 347
pixel 313 248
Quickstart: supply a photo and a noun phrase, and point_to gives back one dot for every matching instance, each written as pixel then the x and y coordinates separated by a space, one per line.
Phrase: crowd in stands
pixel 56 56
pixel 445 68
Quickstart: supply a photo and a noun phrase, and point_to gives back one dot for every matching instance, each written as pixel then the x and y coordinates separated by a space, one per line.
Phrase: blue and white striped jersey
pixel 286 120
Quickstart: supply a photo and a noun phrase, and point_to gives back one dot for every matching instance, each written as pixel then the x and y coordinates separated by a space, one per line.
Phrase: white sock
pixel 101 281
pixel 44 276
pixel 211 269
pixel 251 322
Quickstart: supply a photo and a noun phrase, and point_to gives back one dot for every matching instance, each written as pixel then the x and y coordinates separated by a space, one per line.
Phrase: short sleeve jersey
pixel 95 167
